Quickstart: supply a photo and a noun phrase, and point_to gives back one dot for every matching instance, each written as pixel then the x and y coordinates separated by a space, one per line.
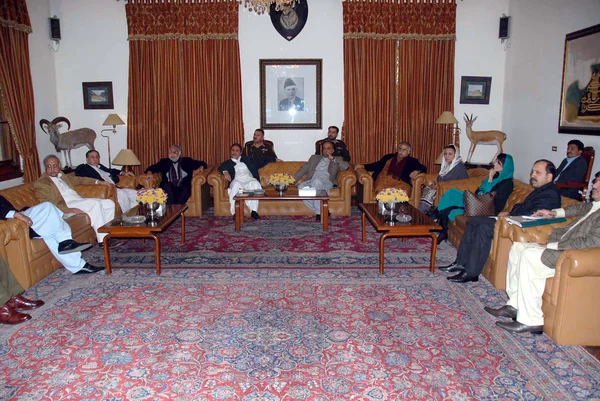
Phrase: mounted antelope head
pixel 68 140
pixel 484 137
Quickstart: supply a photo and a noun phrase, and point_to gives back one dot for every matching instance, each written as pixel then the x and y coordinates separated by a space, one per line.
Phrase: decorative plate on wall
pixel 290 21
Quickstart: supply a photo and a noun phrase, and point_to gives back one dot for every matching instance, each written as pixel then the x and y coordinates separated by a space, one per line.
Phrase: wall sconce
pixel 126 158
pixel 451 123
pixel 114 120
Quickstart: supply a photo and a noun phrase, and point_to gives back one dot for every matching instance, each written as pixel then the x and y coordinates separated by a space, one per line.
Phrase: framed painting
pixel 290 93
pixel 475 90
pixel 580 94
pixel 97 95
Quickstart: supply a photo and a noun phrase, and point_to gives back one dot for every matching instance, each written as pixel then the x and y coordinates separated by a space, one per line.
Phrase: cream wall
pixel 533 78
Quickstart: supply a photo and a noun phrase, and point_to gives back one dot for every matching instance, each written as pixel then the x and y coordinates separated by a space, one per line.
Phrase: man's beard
pixel 174 160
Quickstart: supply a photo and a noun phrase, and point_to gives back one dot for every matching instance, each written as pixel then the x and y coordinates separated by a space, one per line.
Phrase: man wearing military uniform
pixel 339 147
pixel 262 152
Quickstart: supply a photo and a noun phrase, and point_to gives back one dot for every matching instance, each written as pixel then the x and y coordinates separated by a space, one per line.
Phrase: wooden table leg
pixel 107 254
pixel 157 252
pixel 182 229
pixel 325 214
pixel 382 252
pixel 364 229
pixel 433 251
pixel 239 215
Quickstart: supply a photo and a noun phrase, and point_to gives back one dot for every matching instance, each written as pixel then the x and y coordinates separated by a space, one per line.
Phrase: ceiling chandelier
pixel 262 6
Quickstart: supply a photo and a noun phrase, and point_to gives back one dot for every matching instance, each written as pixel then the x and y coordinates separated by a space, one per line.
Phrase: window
pixel 10 163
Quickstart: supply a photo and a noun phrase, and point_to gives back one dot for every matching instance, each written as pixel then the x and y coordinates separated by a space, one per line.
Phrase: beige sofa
pixel 340 198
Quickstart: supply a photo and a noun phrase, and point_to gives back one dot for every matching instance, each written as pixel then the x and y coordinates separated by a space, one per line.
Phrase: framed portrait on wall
pixel 580 95
pixel 290 93
pixel 97 95
pixel 475 90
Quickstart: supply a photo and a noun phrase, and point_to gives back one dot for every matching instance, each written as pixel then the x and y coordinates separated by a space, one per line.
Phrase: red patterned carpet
pixel 279 335
pixel 281 242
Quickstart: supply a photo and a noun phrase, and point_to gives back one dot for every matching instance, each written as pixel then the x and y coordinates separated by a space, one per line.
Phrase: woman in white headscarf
pixel 453 168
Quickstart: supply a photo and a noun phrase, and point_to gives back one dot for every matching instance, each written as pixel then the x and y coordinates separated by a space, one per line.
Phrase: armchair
pixel 589 154
pixel 571 296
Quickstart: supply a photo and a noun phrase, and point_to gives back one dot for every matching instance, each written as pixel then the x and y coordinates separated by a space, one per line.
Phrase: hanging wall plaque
pixel 290 21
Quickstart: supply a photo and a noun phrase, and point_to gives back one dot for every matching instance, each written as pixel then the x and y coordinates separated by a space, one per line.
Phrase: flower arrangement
pixel 392 195
pixel 281 178
pixel 151 195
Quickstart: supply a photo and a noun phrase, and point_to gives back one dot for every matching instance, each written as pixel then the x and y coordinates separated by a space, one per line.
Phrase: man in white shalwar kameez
pixel 241 173
pixel 58 189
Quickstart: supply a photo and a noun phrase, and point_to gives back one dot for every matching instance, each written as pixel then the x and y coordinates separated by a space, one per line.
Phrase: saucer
pixel 134 219
pixel 403 218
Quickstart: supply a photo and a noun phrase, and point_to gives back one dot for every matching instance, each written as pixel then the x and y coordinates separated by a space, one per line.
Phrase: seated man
pixel 93 169
pixel 339 147
pixel 395 172
pixel 257 149
pixel 46 221
pixel 11 299
pixel 476 242
pixel 241 172
pixel 530 264
pixel 177 173
pixel 59 189
pixel 322 172
pixel 572 169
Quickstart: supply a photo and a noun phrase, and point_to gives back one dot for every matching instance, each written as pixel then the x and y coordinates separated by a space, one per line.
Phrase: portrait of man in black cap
pixel 291 101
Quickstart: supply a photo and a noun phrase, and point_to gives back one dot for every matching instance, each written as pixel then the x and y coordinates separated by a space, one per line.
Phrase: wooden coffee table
pixel 118 228
pixel 273 196
pixel 419 226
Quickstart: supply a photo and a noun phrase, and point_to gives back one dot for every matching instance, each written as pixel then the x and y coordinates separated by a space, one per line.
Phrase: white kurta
pixel 101 211
pixel 125 197
pixel 243 180
pixel 319 180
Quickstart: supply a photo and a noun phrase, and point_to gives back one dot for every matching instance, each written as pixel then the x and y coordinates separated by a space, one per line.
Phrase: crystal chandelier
pixel 262 6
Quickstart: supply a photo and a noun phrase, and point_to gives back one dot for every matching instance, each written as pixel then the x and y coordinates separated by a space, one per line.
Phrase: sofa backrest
pixel 278 167
pixel 522 190
pixel 21 196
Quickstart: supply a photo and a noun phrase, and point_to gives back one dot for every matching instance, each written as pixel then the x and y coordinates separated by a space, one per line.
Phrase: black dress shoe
pixel 516 327
pixel 442 237
pixel 254 215
pixel 318 217
pixel 505 311
pixel 453 267
pixel 70 246
pixel 89 269
pixel 462 277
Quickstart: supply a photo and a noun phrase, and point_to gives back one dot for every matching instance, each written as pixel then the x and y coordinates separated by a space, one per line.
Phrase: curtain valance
pixel 13 14
pixel 400 19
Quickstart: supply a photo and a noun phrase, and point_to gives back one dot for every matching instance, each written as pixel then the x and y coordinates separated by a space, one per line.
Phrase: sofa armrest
pixel 537 234
pixel 95 191
pixel 364 178
pixel 4 239
pixel 581 262
pixel 219 183
pixel 200 177
pixel 346 179
pixel 470 184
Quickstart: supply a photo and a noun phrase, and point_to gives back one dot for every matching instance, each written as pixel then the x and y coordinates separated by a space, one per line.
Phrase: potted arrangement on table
pixel 152 198
pixel 281 182
pixel 391 200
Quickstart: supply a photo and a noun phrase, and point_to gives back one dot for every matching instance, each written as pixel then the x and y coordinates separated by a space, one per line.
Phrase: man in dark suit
pixel 339 147
pixel 11 299
pixel 93 169
pixel 322 172
pixel 530 264
pixel 572 169
pixel 45 221
pixel 477 240
pixel 177 175
pixel 242 174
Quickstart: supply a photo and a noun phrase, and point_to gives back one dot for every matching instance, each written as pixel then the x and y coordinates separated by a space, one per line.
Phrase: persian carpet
pixel 277 335
pixel 282 242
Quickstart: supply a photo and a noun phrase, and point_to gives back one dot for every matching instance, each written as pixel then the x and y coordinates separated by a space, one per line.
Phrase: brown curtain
pixel 184 78
pixel 398 75
pixel 16 89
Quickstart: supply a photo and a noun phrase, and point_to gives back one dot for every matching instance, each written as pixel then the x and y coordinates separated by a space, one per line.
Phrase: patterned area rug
pixel 279 335
pixel 282 242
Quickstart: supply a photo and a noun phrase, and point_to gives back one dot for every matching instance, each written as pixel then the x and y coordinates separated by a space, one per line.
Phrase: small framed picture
pixel 97 95
pixel 475 90
pixel 290 94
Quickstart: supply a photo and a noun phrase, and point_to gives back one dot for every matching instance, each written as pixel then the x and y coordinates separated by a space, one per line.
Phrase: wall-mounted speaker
pixel 503 31
pixel 54 28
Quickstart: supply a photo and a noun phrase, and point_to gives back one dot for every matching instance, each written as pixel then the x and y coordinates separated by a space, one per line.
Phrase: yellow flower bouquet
pixel 281 178
pixel 392 195
pixel 149 196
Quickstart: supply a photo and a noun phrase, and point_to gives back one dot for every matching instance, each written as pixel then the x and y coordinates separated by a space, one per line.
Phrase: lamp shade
pixel 447 118
pixel 126 157
pixel 113 119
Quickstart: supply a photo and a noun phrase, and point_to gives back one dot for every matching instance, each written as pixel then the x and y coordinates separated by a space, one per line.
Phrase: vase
pixel 281 188
pixel 152 211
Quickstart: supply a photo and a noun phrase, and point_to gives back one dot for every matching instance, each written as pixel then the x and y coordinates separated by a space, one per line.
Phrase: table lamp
pixel 126 158
pixel 451 123
pixel 114 120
